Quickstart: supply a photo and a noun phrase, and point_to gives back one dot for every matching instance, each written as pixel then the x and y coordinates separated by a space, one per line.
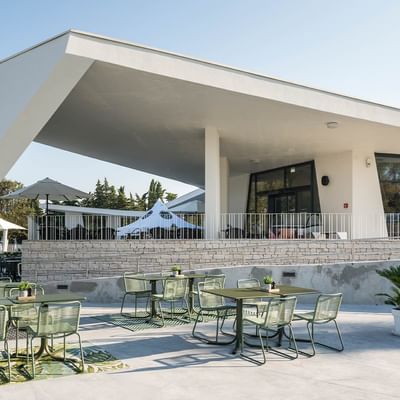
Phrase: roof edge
pixel 230 68
pixel 35 46
pixel 201 61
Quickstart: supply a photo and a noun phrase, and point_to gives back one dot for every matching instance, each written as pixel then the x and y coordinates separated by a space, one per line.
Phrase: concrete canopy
pixel 147 109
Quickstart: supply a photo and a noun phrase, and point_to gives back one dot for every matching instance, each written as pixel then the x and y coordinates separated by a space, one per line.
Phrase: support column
pixel 224 182
pixel 212 183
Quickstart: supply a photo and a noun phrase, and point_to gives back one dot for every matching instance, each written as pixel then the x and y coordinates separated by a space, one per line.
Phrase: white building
pixel 253 143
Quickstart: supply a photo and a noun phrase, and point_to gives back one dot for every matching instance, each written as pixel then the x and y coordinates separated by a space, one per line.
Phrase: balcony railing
pixel 313 226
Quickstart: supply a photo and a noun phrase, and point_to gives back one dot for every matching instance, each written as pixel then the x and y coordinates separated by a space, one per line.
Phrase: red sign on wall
pixel 345 205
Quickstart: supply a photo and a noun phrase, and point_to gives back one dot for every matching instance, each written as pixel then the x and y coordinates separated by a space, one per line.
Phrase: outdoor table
pixel 43 299
pixel 153 279
pixel 250 293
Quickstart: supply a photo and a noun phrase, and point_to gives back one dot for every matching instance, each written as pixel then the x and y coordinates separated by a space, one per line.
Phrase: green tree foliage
pixel 16 211
pixel 106 195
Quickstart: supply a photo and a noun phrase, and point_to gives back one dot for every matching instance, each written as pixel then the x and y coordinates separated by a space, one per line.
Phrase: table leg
pixel 239 327
pixel 191 302
pixel 153 302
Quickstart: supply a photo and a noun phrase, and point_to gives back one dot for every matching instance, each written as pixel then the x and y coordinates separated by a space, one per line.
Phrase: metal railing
pixel 316 226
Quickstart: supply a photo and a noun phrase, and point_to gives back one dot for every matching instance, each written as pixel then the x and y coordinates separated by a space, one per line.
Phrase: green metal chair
pixel 56 320
pixel 250 304
pixel 175 290
pixel 137 288
pixel 218 279
pixel 278 315
pixel 326 310
pixel 3 337
pixel 210 303
pixel 23 315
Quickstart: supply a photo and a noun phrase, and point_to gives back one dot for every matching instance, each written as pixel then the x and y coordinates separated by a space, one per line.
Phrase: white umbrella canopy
pixel 47 189
pixel 158 217
pixel 5 226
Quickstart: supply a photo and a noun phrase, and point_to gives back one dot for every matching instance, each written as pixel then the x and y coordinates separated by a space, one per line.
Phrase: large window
pixel 290 189
pixel 389 178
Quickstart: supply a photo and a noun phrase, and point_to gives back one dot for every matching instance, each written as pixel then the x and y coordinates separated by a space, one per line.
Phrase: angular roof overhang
pixel 147 109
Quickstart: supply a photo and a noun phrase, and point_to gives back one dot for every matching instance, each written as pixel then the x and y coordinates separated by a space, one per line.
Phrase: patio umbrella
pixel 47 189
pixel 5 226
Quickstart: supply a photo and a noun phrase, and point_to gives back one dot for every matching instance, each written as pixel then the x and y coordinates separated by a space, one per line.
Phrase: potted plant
pixel 268 282
pixel 176 270
pixel 25 289
pixel 393 275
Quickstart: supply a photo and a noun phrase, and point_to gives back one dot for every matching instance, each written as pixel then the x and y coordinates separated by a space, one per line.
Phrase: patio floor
pixel 168 363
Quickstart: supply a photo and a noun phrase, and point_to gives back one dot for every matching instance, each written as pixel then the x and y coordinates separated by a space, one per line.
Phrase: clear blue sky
pixel 346 46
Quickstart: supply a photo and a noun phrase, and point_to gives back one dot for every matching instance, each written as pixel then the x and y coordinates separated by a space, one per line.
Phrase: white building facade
pixel 257 145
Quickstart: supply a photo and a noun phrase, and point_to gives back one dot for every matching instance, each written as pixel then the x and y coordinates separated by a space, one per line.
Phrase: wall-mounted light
pixel 368 162
pixel 332 124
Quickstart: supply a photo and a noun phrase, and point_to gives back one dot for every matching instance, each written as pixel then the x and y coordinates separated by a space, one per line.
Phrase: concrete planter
pixel 396 316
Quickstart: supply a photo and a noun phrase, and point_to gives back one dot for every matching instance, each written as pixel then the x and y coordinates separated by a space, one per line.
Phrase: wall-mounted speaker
pixel 325 180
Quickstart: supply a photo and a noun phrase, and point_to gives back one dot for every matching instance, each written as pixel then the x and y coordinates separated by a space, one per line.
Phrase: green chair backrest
pixel 3 323
pixel 248 283
pixel 133 285
pixel 279 312
pixel 175 288
pixel 208 300
pixel 327 307
pixel 218 279
pixel 58 318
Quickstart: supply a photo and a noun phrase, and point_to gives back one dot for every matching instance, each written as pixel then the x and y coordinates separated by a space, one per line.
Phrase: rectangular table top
pixel 50 298
pixel 164 277
pixel 252 293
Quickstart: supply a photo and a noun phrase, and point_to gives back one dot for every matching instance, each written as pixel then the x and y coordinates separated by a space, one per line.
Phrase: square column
pixel 212 187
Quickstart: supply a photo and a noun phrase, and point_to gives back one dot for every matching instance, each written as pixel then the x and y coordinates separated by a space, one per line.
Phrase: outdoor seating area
pixel 183 321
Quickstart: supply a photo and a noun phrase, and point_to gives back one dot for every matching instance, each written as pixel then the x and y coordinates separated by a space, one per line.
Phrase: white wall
pixel 238 190
pixel 354 183
pixel 368 214
pixel 338 167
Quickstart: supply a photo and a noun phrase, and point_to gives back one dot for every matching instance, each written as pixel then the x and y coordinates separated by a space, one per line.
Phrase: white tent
pixel 5 226
pixel 158 217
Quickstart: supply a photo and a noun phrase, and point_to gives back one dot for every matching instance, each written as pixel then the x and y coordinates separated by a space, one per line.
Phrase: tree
pixel 155 192
pixel 16 210
pixel 106 195
pixel 170 196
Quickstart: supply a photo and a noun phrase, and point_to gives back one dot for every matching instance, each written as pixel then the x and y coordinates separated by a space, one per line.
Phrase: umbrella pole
pixel 47 213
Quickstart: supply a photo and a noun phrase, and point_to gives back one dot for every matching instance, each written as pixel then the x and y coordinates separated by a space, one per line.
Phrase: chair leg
pixel 341 348
pixel 195 324
pixel 8 359
pixel 33 359
pixel 135 306
pixel 162 314
pixel 16 336
pixel 64 347
pixel 253 360
pixel 313 342
pixel 123 302
pixel 81 351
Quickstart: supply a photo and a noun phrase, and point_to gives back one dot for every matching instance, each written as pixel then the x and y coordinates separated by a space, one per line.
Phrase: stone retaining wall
pixel 62 261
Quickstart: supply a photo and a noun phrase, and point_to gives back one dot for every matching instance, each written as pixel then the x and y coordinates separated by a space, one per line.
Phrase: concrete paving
pixel 168 363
